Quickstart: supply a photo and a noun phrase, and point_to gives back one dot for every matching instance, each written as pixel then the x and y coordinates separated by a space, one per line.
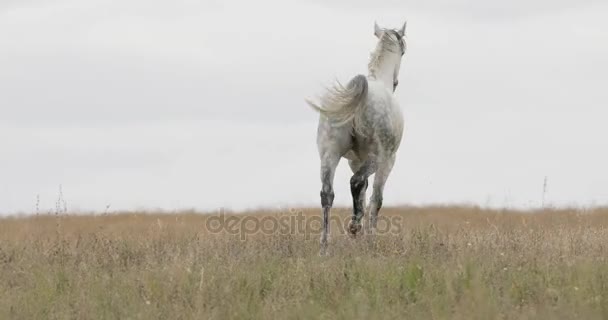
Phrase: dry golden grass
pixel 439 263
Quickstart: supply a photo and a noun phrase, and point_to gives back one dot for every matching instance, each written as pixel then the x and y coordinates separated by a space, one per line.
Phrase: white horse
pixel 363 123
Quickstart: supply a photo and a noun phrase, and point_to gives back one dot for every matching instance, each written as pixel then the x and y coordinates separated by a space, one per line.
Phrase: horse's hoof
pixel 323 252
pixel 323 248
pixel 372 231
pixel 368 229
pixel 354 228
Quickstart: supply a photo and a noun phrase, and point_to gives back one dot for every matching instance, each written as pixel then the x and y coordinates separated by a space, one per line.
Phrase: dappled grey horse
pixel 363 123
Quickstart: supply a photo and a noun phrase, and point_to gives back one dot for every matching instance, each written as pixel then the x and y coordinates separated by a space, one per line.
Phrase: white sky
pixel 200 104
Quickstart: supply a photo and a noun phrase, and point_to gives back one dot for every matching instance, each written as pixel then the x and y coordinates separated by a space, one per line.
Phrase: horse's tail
pixel 340 103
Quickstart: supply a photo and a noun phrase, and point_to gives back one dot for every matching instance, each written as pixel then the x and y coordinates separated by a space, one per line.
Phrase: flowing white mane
pixel 387 44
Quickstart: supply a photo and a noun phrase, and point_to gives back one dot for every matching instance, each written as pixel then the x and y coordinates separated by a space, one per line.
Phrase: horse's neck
pixel 383 69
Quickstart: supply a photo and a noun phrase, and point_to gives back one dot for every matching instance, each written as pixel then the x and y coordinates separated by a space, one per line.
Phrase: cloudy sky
pixel 200 104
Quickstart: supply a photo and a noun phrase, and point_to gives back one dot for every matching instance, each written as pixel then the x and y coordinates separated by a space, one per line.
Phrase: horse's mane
pixel 385 45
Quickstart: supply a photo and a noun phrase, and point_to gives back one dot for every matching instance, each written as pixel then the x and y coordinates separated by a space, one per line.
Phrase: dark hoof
pixel 354 228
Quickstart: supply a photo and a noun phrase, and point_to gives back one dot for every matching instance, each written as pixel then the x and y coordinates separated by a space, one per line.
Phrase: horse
pixel 363 123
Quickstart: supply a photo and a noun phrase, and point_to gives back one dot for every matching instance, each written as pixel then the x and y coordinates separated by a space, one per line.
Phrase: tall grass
pixel 443 263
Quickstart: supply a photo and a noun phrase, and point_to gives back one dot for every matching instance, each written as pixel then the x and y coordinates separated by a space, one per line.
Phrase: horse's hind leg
pixel 384 169
pixel 329 162
pixel 358 186
pixel 355 165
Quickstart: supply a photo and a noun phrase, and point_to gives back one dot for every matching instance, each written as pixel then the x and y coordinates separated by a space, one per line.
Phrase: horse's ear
pixel 377 30
pixel 402 31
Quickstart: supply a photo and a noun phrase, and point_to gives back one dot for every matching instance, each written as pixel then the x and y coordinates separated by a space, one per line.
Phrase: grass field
pixel 434 263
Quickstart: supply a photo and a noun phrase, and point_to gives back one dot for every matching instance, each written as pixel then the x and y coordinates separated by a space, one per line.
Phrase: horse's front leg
pixel 384 169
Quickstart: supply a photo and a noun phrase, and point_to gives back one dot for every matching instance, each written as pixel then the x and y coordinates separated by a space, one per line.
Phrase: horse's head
pixel 394 41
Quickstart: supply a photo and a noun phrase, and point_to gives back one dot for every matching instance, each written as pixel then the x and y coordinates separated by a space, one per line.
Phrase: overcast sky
pixel 200 104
